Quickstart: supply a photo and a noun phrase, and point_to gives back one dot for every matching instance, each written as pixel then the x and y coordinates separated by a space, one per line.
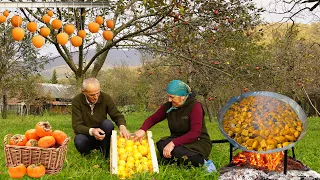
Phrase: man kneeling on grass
pixel 89 119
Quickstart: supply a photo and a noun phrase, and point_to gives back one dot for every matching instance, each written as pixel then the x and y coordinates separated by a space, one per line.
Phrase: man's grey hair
pixel 89 81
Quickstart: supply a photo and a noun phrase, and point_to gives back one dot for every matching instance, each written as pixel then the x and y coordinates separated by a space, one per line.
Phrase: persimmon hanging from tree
pixel 107 35
pixel 56 24
pixel 82 33
pixel 99 20
pixel 38 41
pixel 45 31
pixel 76 41
pixel 50 13
pixel 32 26
pixel 3 18
pixel 46 18
pixel 68 28
pixel 110 23
pixel 16 21
pixel 62 38
pixel 17 33
pixel 6 13
pixel 93 27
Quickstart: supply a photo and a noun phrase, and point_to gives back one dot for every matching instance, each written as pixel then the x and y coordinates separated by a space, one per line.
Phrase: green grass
pixel 94 166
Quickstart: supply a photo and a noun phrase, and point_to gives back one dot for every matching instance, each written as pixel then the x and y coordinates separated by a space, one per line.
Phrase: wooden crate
pixel 114 153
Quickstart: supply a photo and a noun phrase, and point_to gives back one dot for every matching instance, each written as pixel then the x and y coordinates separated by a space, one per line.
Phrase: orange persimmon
pixel 110 23
pixel 32 143
pixel 31 134
pixel 16 21
pixel 93 27
pixel 46 141
pixel 17 171
pixel 18 139
pixel 36 171
pixel 43 129
pixel 32 26
pixel 60 136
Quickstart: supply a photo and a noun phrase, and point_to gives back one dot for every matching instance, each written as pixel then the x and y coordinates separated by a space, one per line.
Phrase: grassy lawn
pixel 94 166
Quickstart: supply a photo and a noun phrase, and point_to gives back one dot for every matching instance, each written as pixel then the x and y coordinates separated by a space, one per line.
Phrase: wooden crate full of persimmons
pixel 128 157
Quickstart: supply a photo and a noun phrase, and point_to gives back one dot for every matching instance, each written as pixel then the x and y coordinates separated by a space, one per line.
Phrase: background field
pixel 94 166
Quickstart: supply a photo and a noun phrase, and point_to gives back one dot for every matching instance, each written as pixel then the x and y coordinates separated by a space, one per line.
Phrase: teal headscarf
pixel 178 88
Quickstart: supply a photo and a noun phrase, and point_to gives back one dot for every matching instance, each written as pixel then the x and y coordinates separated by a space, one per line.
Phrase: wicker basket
pixel 51 158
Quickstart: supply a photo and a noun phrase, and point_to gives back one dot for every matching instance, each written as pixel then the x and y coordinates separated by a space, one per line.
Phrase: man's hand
pixel 167 150
pixel 98 133
pixel 124 132
pixel 138 135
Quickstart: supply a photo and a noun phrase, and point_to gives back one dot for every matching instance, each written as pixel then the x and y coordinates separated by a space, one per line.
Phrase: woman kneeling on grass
pixel 189 142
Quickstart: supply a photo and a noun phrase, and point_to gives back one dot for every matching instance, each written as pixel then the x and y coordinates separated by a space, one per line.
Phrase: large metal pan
pixel 294 105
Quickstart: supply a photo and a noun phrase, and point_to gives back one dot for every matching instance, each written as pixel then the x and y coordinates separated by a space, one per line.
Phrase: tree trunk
pixel 5 106
pixel 209 111
pixel 79 80
pixel 99 63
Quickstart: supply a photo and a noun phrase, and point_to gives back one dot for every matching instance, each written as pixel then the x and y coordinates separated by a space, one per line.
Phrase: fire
pixel 259 161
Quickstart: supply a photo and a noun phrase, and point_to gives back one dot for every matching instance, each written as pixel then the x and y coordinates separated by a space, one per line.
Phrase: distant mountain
pixel 115 58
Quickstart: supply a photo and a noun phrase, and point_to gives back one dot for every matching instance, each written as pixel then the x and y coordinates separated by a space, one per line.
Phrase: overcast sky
pixel 273 11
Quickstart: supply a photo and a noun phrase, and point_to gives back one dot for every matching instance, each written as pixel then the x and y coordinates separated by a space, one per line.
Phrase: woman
pixel 189 141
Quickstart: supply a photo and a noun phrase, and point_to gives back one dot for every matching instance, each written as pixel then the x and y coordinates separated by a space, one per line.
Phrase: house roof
pixel 57 90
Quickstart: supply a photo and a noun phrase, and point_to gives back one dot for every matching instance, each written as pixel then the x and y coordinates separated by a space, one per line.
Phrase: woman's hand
pixel 98 133
pixel 124 132
pixel 138 135
pixel 167 150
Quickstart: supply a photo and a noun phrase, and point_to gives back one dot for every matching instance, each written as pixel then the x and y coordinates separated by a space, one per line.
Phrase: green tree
pixel 209 43
pixel 17 61
pixel 134 20
pixel 54 78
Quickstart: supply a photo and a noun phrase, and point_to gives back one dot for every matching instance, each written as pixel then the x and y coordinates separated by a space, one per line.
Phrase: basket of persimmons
pixel 37 152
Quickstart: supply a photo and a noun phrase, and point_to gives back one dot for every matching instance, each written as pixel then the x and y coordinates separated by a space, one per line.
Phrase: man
pixel 89 118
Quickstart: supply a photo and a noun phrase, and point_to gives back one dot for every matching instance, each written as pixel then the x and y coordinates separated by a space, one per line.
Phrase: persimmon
pixel 50 13
pixel 76 41
pixel 107 35
pixel 262 123
pixel 16 21
pixel 59 136
pixel 17 171
pixel 36 171
pixel 93 27
pixel 46 141
pixel 46 18
pixel 38 41
pixel 82 33
pixel 18 139
pixel 32 143
pixel 68 28
pixel 3 18
pixel 62 38
pixel 99 20
pixel 43 129
pixel 31 134
pixel 45 31
pixel 17 33
pixel 110 23
pixel 32 26
pixel 56 24
pixel 6 13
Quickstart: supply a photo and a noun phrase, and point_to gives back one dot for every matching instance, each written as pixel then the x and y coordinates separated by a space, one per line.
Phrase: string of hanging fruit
pixel 63 37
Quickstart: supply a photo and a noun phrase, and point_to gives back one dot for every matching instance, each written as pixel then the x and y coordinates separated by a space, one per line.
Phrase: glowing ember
pixel 259 161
